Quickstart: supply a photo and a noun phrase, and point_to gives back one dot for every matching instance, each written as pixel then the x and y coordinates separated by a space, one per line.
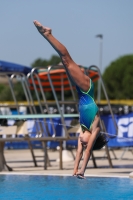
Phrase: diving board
pixel 36 116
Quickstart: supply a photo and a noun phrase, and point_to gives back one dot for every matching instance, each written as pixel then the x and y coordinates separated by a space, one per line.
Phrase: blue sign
pixel 124 135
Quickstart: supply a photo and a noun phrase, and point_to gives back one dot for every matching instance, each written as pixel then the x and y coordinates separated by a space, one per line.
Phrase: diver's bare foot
pixel 45 31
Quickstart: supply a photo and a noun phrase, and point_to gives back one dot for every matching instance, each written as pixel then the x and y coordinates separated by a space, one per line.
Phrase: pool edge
pixel 90 175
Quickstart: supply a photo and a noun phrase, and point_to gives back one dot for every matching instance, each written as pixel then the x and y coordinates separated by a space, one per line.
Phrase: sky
pixel 75 23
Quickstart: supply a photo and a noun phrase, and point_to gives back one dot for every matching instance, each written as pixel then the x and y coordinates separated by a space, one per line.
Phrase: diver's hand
pixel 75 173
pixel 80 175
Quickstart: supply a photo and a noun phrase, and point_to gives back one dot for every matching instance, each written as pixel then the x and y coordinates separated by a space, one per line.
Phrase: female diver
pixel 89 137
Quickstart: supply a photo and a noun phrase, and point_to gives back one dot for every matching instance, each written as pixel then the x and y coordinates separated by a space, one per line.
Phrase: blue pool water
pixel 35 187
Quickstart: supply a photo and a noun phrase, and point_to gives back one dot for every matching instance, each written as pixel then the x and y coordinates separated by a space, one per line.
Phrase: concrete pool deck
pixel 21 162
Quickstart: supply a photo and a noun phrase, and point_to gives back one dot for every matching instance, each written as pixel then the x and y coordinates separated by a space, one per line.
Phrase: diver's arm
pixel 88 151
pixel 79 154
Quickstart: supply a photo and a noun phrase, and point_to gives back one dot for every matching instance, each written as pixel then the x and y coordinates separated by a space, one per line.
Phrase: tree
pixel 118 78
pixel 6 94
pixel 54 60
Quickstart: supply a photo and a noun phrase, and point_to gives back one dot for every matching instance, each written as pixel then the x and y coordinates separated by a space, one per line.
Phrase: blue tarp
pixel 12 67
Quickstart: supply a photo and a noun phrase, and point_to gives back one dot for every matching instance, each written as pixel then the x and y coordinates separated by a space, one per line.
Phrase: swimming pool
pixel 43 187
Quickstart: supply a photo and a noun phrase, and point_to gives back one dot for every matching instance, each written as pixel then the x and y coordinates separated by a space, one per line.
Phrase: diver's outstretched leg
pixel 74 70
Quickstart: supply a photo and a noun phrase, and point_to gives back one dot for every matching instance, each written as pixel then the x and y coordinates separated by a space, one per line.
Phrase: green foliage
pixel 118 78
pixel 19 92
pixel 6 94
pixel 54 60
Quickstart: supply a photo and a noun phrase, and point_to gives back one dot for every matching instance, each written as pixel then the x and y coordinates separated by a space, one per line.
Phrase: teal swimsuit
pixel 87 106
